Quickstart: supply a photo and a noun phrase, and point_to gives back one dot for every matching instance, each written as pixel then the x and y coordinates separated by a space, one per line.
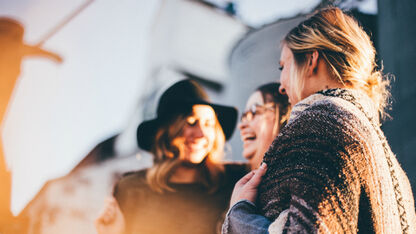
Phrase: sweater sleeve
pixel 243 218
pixel 312 173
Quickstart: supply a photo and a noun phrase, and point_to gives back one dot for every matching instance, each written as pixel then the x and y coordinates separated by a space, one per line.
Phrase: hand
pixel 110 219
pixel 246 187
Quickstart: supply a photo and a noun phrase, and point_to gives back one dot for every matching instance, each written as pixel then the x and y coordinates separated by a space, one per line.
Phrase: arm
pixel 243 216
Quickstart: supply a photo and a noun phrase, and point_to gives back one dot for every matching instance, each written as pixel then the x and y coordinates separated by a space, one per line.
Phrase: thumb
pixel 258 174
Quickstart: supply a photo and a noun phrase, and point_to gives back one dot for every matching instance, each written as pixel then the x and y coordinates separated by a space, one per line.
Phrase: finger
pixel 262 169
pixel 103 218
pixel 111 199
pixel 108 212
pixel 256 179
pixel 100 221
pixel 246 178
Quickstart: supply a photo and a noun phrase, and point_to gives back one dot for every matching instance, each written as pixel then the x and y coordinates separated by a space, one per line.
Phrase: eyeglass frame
pixel 257 109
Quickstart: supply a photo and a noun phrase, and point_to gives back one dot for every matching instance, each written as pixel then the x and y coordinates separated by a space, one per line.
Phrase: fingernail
pixel 263 165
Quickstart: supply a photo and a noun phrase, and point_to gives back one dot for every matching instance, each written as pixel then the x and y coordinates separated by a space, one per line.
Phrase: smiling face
pixel 198 134
pixel 256 131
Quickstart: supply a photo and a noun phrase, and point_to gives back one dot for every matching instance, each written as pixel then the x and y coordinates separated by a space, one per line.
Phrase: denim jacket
pixel 242 218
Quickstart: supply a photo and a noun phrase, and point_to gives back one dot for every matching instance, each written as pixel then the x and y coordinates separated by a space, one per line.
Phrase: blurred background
pixel 69 132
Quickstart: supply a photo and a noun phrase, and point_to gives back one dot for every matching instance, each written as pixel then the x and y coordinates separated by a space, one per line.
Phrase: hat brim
pixel 227 117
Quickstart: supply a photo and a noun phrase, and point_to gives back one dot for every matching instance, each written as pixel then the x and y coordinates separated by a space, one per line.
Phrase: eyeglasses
pixel 257 109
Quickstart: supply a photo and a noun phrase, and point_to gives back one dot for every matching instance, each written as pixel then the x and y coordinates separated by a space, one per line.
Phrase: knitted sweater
pixel 333 170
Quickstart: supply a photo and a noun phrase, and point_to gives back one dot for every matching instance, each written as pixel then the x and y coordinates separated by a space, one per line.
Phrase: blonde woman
pixel 330 170
pixel 188 188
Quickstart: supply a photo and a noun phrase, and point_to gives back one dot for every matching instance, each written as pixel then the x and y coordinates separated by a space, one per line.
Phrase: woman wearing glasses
pixel 266 113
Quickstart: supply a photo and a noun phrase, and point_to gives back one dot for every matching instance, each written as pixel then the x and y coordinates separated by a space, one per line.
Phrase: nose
pixel 198 132
pixel 242 124
pixel 282 90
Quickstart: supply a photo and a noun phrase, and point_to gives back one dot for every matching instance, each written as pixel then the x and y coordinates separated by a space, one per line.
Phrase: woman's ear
pixel 313 63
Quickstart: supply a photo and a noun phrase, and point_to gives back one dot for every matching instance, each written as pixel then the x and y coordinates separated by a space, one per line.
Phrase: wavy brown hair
pixel 346 49
pixel 270 94
pixel 168 156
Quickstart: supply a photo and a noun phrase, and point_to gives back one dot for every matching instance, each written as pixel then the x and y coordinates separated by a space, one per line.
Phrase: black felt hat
pixel 178 99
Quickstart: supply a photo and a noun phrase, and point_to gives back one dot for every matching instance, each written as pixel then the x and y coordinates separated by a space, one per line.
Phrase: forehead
pixel 286 53
pixel 203 111
pixel 255 98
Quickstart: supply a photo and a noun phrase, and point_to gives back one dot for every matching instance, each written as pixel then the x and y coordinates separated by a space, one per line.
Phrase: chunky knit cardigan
pixel 331 170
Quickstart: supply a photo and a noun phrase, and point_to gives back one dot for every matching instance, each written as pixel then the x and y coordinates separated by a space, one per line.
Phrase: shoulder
pixel 326 124
pixel 233 171
pixel 321 114
pixel 337 105
pixel 236 168
pixel 134 175
pixel 320 106
pixel 325 132
pixel 130 180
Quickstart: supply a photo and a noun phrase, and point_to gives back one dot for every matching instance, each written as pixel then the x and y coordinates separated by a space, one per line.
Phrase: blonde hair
pixel 168 156
pixel 346 49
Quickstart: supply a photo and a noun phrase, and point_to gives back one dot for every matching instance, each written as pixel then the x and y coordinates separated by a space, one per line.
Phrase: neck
pixel 185 175
pixel 320 80
pixel 329 84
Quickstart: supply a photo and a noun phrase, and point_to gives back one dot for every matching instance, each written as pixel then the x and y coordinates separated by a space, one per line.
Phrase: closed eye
pixel 191 121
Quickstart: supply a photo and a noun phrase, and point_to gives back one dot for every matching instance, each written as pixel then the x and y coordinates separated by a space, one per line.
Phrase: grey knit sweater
pixel 332 169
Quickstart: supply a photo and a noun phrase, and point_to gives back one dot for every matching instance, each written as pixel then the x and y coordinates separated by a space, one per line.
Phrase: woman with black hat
pixel 188 188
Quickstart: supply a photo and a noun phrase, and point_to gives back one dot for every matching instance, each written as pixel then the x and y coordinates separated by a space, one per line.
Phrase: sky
pixel 61 111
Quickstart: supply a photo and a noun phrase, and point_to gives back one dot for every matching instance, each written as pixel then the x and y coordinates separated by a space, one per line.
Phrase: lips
pixel 249 145
pixel 247 135
pixel 196 144
pixel 249 138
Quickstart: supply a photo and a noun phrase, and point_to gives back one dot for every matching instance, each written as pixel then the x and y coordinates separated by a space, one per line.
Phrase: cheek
pixel 178 142
pixel 254 125
pixel 266 128
pixel 210 135
pixel 285 79
pixel 185 131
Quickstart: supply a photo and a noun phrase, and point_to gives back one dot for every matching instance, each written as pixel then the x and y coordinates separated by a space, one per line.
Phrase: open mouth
pixel 249 138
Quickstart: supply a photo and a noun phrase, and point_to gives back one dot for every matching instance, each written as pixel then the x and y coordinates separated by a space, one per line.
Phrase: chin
pixel 197 159
pixel 248 155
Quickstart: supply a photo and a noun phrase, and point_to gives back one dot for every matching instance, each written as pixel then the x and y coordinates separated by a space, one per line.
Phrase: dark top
pixel 190 209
